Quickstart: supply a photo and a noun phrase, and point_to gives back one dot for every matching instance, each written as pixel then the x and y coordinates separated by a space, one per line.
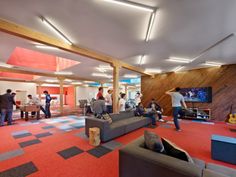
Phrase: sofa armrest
pixel 136 161
pixel 211 173
pixel 221 169
pixel 95 122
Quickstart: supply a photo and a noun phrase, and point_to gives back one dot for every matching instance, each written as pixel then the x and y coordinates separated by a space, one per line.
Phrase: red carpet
pixel 195 138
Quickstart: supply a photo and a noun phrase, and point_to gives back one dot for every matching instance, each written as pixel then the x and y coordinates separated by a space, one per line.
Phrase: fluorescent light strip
pixel 150 25
pixel 101 75
pixel 76 83
pixel 133 5
pixel 58 32
pixel 211 63
pixel 153 71
pixel 5 65
pixel 141 60
pixel 45 47
pixel 178 68
pixel 130 76
pixel 106 67
pixel 63 73
pixel 179 60
pixel 49 80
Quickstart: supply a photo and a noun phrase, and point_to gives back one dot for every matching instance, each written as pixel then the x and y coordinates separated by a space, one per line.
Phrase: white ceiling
pixel 183 28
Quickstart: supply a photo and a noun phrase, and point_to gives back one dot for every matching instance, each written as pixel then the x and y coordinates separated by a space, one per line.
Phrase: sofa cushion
pixel 174 151
pixel 153 141
pixel 211 173
pixel 134 123
pixel 221 169
pixel 122 115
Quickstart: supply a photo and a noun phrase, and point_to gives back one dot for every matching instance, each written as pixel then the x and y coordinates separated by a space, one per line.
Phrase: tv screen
pixel 200 94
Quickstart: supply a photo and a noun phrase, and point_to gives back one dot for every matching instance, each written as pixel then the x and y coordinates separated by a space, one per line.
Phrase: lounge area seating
pixel 219 144
pixel 122 123
pixel 137 161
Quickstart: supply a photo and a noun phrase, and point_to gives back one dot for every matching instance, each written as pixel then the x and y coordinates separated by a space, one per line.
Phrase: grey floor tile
pixel 48 127
pixel 99 151
pixel 70 152
pixel 112 145
pixel 20 132
pixel 22 135
pixel 20 171
pixel 41 135
pixel 29 143
pixel 78 125
pixel 11 154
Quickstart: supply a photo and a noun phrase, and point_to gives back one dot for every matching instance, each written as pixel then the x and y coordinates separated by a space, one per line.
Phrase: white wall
pixel 83 93
pixel 30 88
pixel 27 88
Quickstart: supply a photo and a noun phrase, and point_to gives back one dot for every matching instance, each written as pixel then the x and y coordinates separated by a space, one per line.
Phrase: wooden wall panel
pixel 221 79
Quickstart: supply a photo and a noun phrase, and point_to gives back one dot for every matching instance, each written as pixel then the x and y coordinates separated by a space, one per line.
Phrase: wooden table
pixel 29 108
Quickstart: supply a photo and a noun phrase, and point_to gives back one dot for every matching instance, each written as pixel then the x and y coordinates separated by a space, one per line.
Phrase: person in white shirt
pixel 35 101
pixel 138 98
pixel 108 100
pixel 122 102
pixel 177 102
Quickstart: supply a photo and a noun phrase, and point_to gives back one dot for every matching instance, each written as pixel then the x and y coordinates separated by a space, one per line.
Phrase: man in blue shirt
pixel 47 104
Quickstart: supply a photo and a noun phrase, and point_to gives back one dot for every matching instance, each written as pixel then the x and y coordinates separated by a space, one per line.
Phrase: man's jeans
pixel 151 116
pixel 47 110
pixel 109 109
pixel 177 111
pixel 8 113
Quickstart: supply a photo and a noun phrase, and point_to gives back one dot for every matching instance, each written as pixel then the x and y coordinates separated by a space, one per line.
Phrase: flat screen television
pixel 198 94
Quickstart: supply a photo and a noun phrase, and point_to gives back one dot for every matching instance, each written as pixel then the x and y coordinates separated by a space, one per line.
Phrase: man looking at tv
pixel 177 102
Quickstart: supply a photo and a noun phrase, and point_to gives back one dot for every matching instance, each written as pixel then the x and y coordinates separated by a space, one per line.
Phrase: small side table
pixel 94 136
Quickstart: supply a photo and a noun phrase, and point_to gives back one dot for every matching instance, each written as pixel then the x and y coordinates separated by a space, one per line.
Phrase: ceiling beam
pixel 27 33
pixel 22 71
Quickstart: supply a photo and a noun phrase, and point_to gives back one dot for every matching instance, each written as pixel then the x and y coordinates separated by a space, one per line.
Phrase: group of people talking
pixel 153 110
pixel 7 101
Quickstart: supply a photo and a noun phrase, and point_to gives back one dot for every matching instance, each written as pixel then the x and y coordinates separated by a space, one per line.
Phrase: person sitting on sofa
pixel 99 107
pixel 140 111
pixel 156 108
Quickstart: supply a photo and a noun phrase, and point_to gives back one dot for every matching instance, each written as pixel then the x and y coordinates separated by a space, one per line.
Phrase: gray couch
pixel 137 161
pixel 122 123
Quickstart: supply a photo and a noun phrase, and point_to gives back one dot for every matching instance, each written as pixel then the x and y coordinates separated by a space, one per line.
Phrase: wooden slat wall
pixel 221 79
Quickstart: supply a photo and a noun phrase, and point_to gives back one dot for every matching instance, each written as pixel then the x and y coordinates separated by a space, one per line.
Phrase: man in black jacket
pixel 7 102
pixel 156 108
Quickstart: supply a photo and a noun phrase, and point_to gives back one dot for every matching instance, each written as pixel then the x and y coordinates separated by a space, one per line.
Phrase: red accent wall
pixel 69 93
pixel 70 97
pixel 16 76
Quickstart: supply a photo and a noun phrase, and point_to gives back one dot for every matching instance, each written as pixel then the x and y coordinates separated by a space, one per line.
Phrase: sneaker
pixel 161 120
pixel 178 130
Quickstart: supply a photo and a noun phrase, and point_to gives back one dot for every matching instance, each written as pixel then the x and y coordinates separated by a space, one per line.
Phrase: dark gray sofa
pixel 137 161
pixel 122 123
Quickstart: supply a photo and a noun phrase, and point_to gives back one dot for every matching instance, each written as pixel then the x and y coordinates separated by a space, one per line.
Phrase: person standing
pixel 7 102
pixel 47 104
pixel 108 99
pixel 35 101
pixel 100 93
pixel 177 102
pixel 122 102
